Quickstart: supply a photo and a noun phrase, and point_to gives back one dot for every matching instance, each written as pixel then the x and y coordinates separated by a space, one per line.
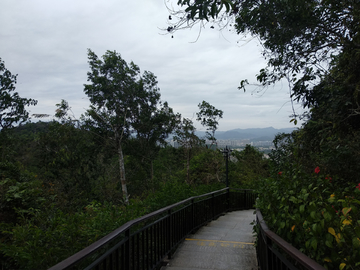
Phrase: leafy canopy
pixel 209 117
pixel 126 102
pixel 299 37
pixel 12 106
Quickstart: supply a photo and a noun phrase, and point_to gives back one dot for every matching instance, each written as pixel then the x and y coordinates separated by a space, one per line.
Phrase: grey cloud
pixel 46 43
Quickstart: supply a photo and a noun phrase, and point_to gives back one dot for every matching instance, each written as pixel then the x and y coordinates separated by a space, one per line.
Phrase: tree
pixel 185 136
pixel 62 113
pixel 125 104
pixel 12 106
pixel 113 82
pixel 153 121
pixel 315 45
pixel 299 38
pixel 209 117
pixel 248 167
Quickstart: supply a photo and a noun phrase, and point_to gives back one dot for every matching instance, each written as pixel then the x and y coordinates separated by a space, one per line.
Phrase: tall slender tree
pixel 209 117
pixel 153 121
pixel 186 137
pixel 125 104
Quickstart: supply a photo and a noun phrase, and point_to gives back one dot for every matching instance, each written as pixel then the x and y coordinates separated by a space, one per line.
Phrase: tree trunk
pixel 122 174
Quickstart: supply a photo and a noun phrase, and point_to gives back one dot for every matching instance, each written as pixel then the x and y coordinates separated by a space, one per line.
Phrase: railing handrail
pixel 70 261
pixel 286 247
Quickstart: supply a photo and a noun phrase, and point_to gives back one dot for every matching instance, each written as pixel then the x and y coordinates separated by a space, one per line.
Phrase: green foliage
pixel 298 37
pixel 21 193
pixel 44 239
pixel 48 236
pixel 207 167
pixel 185 135
pixel 168 166
pixel 247 168
pixel 73 192
pixel 12 106
pixel 21 196
pixel 62 113
pixel 318 216
pixel 209 117
pixel 59 181
pixel 124 103
pixel 317 211
pixel 189 142
pixel 72 163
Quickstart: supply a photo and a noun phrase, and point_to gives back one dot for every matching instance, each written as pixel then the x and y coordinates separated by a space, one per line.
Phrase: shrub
pixel 316 213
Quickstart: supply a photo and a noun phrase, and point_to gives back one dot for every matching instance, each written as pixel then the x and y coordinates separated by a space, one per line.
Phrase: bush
pixel 51 236
pixel 43 238
pixel 316 213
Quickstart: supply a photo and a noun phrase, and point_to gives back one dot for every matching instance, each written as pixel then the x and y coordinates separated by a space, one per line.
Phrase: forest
pixel 312 197
pixel 68 182
pixel 82 178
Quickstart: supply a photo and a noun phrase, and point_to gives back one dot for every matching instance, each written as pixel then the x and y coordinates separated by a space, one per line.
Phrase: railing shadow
pixel 145 242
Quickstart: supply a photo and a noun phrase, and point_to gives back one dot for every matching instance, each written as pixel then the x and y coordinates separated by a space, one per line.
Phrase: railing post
pixel 127 249
pixel 228 200
pixel 169 233
pixel 268 243
pixel 133 250
pixel 213 205
pixel 192 215
pixel 245 201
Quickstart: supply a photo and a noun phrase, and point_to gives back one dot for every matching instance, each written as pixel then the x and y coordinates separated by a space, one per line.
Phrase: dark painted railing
pixel 145 242
pixel 274 253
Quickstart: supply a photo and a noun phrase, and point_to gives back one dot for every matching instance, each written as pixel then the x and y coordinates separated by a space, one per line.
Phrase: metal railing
pixel 274 253
pixel 145 242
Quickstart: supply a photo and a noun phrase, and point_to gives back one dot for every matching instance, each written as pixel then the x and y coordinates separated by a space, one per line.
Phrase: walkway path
pixel 226 243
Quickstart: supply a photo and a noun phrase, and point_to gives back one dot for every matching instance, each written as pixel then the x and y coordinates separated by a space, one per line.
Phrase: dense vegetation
pixel 62 182
pixel 66 179
pixel 312 198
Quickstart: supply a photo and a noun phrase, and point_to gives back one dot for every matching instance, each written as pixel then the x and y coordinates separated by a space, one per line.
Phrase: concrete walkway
pixel 225 243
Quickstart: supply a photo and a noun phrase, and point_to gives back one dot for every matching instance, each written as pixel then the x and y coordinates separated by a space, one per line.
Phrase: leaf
pixel 213 11
pixel 346 211
pixel 227 6
pixel 327 216
pixel 342 265
pixel 329 244
pixel 331 231
pixel 346 222
pixel 314 244
pixel 357 231
pixel 193 13
pixel 338 237
pixel 322 224
pixel 356 242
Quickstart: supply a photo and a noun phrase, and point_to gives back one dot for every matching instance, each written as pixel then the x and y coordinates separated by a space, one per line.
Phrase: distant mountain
pixel 255 134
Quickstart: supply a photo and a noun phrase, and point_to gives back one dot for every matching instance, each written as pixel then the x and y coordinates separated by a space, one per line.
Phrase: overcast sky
pixel 45 42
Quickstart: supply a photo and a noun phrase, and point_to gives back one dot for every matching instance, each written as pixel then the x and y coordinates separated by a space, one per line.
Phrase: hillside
pixel 255 134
